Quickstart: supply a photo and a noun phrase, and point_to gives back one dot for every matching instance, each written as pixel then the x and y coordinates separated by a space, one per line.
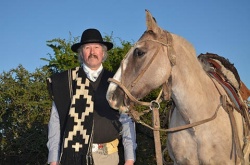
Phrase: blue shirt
pixel 53 144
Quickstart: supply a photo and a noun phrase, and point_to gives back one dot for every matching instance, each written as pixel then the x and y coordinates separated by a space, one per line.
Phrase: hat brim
pixel 76 46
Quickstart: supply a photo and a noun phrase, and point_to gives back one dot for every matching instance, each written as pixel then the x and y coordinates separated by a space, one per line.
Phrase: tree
pixel 24 112
pixel 63 58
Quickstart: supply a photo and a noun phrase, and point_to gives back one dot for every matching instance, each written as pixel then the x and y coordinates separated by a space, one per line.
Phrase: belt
pixel 106 148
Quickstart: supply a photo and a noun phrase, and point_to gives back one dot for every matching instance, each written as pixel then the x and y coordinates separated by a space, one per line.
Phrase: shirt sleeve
pixel 53 143
pixel 128 137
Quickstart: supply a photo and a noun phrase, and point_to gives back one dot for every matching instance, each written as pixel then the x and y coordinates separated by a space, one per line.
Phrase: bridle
pixel 171 57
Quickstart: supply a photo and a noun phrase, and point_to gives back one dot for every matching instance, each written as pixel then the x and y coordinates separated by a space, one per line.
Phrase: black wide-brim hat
pixel 91 36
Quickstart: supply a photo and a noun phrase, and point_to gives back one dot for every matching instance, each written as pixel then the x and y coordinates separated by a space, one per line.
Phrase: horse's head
pixel 145 67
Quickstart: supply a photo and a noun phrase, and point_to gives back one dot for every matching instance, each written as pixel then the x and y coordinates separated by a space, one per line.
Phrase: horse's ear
pixel 151 22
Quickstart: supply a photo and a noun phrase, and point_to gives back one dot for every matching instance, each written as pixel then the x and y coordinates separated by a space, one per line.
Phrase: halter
pixel 171 56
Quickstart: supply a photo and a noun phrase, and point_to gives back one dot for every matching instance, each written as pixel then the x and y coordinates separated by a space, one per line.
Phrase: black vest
pixel 106 123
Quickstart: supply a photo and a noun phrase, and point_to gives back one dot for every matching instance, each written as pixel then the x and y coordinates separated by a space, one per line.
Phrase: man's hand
pixel 54 163
pixel 129 162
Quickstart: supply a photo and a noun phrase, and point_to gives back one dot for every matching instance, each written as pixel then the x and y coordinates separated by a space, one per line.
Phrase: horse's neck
pixel 191 86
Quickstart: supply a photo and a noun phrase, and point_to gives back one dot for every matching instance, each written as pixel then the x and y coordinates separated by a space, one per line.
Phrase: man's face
pixel 93 55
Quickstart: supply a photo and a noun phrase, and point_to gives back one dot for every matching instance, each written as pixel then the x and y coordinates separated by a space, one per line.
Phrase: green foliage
pixel 116 54
pixel 63 58
pixel 24 112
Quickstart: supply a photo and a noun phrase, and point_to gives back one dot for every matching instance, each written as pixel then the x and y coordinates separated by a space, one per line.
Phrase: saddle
pixel 244 91
pixel 227 75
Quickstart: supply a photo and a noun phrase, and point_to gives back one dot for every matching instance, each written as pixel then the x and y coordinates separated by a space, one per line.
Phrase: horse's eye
pixel 138 52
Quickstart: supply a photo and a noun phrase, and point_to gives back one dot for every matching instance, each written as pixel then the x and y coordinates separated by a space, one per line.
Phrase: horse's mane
pixel 182 41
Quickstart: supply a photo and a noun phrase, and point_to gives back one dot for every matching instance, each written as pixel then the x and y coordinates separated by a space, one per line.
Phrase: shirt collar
pixel 92 74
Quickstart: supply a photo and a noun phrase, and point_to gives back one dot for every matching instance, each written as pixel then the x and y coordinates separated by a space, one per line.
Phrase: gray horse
pixel 160 58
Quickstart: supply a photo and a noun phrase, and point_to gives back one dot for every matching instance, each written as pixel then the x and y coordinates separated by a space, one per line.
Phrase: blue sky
pixel 216 26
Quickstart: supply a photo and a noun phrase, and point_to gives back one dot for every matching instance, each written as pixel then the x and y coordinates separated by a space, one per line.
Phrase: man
pixel 82 127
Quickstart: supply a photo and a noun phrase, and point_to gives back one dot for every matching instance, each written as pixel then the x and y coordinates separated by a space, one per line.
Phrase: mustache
pixel 93 56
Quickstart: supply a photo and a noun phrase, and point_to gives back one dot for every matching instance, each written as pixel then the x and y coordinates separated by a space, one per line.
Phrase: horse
pixel 163 59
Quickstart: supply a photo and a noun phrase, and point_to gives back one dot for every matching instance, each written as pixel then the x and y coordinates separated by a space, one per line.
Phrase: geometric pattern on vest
pixel 81 93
